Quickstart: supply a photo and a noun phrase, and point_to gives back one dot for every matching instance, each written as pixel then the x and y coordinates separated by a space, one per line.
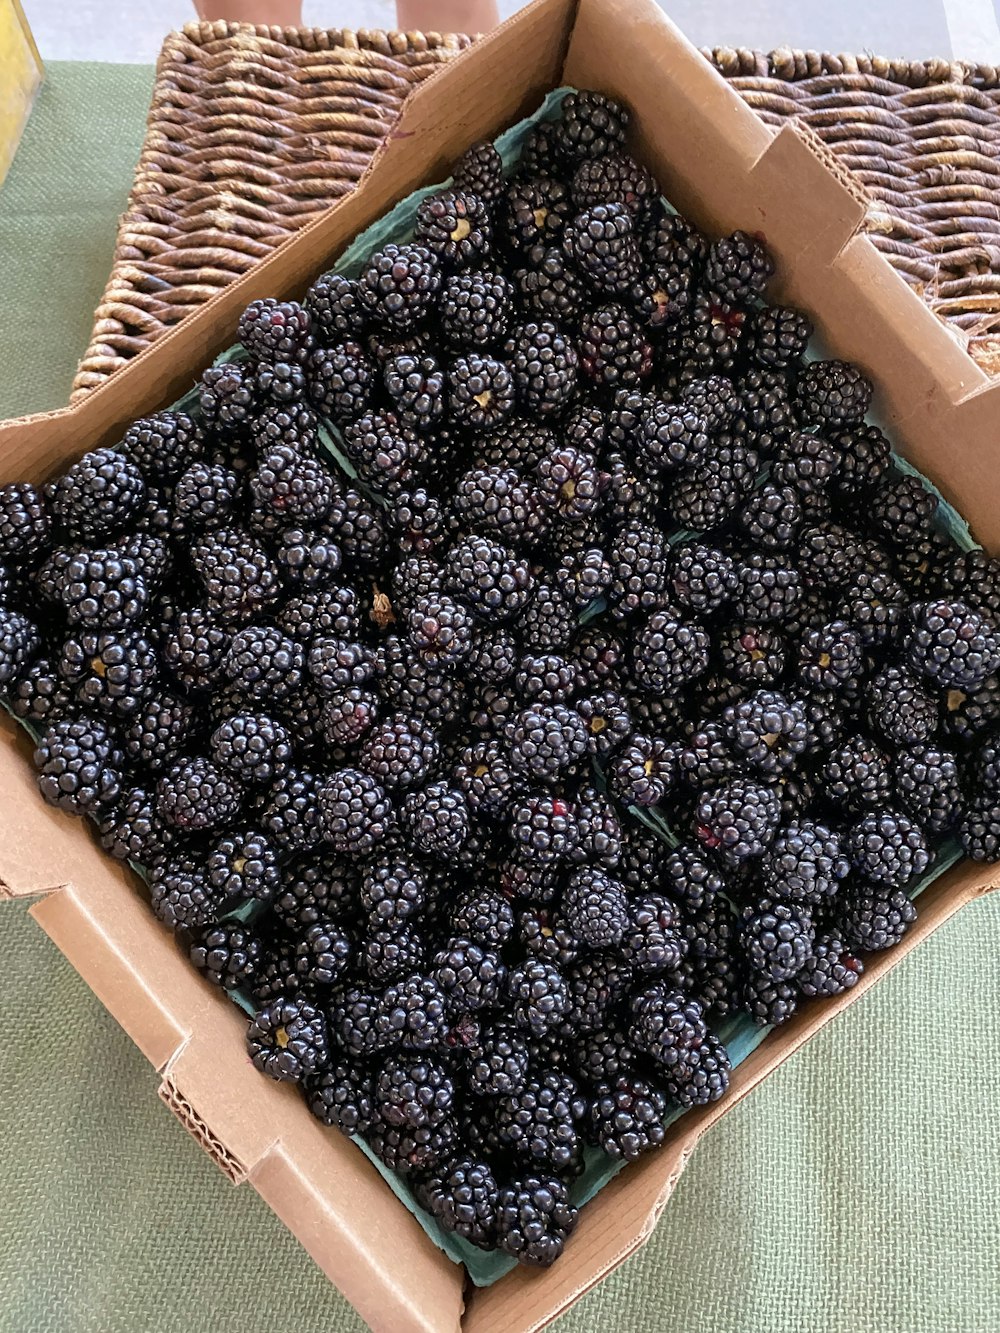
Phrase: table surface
pixel 858 1191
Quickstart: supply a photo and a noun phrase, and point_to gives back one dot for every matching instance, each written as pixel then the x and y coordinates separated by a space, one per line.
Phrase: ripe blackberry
pixel 539 994
pixel 392 953
pixel 614 349
pixel 440 630
pixel 671 436
pixel 543 829
pixel 804 863
pixel 227 396
pixel 667 653
pixel 416 386
pixel 337 664
pixel 79 765
pixel 355 524
pixel 238 576
pixel 642 771
pixel 614 178
pixel 194 794
pixel 283 381
pixel 707 494
pixel 546 678
pixel 979 829
pixel 689 876
pixel 25 523
pixel 701 578
pixel 600 657
pixel 204 496
pixel 227 954
pixel 485 777
pixel 888 848
pixel 832 393
pixel 638 556
pixel 899 708
pixel 711 970
pixel 751 655
pixel 479 171
pixel 779 336
pixel 856 776
pixel 545 934
pixel 399 286
pixel 244 865
pixel 541 1122
pixel 952 645
pixel 902 510
pixel 596 908
pixel 708 340
pixel 570 483
pixel 535 1219
pixel 829 970
pixel 768 1002
pixel 181 896
pixel 769 588
pixel 928 785
pixel 163 444
pixel 777 938
pixel 701 1078
pixel 253 747
pixel 923 565
pixel 582 575
pixel 263 663
pixel 489 577
pixel 406 1150
pixel 412 1014
pixel 289 423
pixel 475 308
pixel 20 643
pixel 158 731
pixel 737 268
pixel 550 287
pixel 544 363
pixel 974 577
pixel 876 918
pixel 874 603
pixel 608 721
pixel 110 672
pixel 805 463
pixel 315 888
pixel 667 1026
pixel 536 211
pixel 545 740
pixel 830 656
pixel 591 126
pixel 384 452
pixel 408 685
pixel 771 516
pixel 454 226
pixel 308 558
pixel 738 819
pixel 706 758
pixel 354 811
pixel 462 1194
pixel 332 611
pixel 99 495
pixel 273 330
pixel 288 1040
pixel 654 940
pixel 133 831
pixel 967 715
pixel 499 1064
pixel 341 1095
pixel 37 694
pixel 399 752
pixel 193 647
pixel 322 954
pixel 437 820
pixel 335 308
pixel 497 500
pixel 290 487
pixel 864 460
pixel 471 975
pixel 494 657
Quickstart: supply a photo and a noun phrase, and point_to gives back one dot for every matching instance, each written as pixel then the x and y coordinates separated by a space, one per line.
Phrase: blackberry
pixel 392 891
pixel 608 721
pixel 779 336
pixel 253 747
pixel 876 918
pixel 416 386
pixel 738 819
pixel 399 286
pixel 952 645
pixel 833 393
pixel 110 672
pixel 709 339
pixel 642 771
pixel 393 953
pixel 238 576
pixel 591 126
pixel 805 462
pixel 596 908
pixel 541 1122
pixel 537 209
pixel 334 307
pixel 484 916
pixel 597 985
pixel 600 657
pixel 226 396
pixel 902 510
pixel 499 1064
pixel 768 1002
pixel 614 178
pixel 974 576
pixel 551 288
pixel 412 1149
pixel 899 708
pixel 384 451
pixel 341 1095
pixel 667 1026
pixel 25 523
pixel 193 648
pixel 244 865
pixel 337 664
pixel 777 937
pixel 407 684
pixel 78 765
pixel 475 309
pixel 546 679
pixel 671 436
pixel 967 715
pixel 856 776
pixel 485 776
pixel 227 954
pixel 332 611
pixel 437 820
pixel 194 794
pixel 263 663
pixel 653 941
pixel 157 733
pixel 874 603
pixel 539 994
pixel 690 877
pixel 711 971
pixel 133 831
pixel 543 829
pixel 494 656
pixel 545 740
pixel 479 171
pixel 546 935
pixel 181 897
pixel 164 444
pixel 288 486
pixel 570 483
pixel 751 655
pixel 706 495
pixel 308 558
pixel 99 495
pixel 205 496
pixel 979 829
pixel 703 1077
pixel 38 694
pixel 322 954
pixel 702 578
pixel 771 516
pixel 829 970
pixel 769 588
pixel 888 848
pixel 497 500
pixel 614 349
pixel 830 656
pixel 638 556
pixel 354 811
pixel 470 974
pixel 454 226
pixel 412 1014
pixel 923 565
pixel 399 752
pixel 805 863
pixel 20 643
pixel 489 577
pixel 583 575
pixel 282 381
pixel 440 630
pixel 928 785
pixel 273 330
pixel 462 1195
pixel 535 1219
pixel 706 758
pixel 865 459
pixel 668 653
pixel 288 1040
pixel 355 524
pixel 738 268
pixel 544 363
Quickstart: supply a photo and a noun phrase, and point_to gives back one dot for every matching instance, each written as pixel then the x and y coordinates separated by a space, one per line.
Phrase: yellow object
pixel 20 78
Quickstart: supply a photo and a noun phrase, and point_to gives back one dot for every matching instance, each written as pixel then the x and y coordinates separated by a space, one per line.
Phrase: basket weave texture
pixel 252 130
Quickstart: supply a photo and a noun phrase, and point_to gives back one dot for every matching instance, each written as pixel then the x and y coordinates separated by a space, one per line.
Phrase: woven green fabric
pixel 858 1191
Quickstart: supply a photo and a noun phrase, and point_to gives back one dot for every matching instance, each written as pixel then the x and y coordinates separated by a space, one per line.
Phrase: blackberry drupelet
pixel 399 286
pixel 227 954
pixel 876 918
pixel 454 226
pixel 888 848
pixel 354 811
pixel 738 819
pixel 832 393
pixel 193 794
pixel 288 1039
pixel 101 494
pixel 952 645
pixel 79 765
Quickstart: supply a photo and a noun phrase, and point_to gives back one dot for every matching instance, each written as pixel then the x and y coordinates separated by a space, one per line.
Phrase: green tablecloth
pixel 857 1192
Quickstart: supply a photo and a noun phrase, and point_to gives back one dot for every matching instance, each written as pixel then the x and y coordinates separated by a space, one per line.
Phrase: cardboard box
pixel 721 165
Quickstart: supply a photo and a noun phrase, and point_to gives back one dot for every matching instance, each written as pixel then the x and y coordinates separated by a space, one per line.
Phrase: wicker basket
pixel 251 130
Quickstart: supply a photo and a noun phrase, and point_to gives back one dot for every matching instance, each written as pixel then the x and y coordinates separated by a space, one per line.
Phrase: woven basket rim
pixel 201 33
pixel 791 64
